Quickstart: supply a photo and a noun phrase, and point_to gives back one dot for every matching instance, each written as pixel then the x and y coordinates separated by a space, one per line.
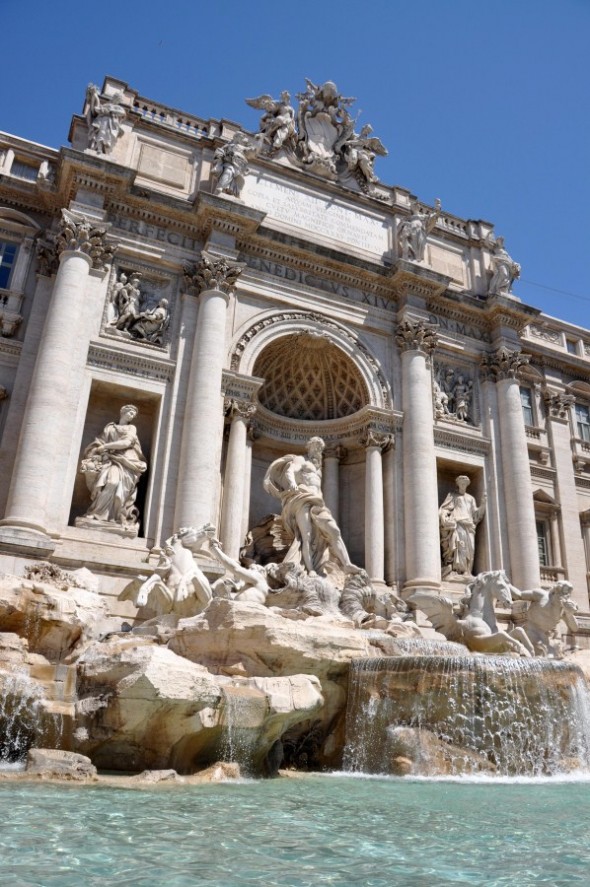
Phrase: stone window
pixel 544 542
pixel 571 346
pixel 526 400
pixel 583 421
pixel 8 252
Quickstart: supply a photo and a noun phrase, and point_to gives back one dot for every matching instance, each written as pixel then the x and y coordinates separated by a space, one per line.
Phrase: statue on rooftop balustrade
pixel 105 118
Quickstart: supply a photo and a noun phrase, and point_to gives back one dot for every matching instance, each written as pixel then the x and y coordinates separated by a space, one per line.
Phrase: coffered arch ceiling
pixel 307 376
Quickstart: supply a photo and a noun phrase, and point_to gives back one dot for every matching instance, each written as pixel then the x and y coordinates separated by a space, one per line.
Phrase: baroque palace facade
pixel 245 293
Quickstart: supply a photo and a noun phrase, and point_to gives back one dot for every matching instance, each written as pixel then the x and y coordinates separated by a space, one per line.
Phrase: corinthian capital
pixel 79 234
pixel 212 273
pixel 372 438
pixel 558 403
pixel 240 409
pixel 415 335
pixel 503 364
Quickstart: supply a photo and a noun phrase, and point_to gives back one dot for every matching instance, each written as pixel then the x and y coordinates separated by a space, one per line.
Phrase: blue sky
pixel 484 105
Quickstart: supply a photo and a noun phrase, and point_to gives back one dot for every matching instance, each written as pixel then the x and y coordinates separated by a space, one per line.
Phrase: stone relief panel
pixel 136 307
pixel 453 393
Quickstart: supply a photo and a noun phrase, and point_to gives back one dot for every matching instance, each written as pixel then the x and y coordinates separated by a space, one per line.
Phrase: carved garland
pixel 256 328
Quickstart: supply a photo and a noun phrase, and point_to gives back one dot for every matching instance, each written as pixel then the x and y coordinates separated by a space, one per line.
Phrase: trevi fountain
pixel 372 683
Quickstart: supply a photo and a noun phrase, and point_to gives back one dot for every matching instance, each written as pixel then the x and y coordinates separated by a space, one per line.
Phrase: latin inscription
pixel 312 280
pixel 154 232
pixel 318 214
pixel 463 329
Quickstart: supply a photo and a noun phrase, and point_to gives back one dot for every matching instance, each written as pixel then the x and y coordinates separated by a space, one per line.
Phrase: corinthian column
pixel 51 409
pixel 374 511
pixel 502 367
pixel 236 482
pixel 198 478
pixel 331 480
pixel 417 341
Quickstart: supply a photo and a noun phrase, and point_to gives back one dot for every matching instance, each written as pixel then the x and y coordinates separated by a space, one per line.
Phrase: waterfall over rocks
pixel 435 715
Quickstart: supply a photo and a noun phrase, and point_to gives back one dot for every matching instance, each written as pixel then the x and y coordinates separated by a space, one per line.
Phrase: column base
pixel 25 540
pixel 420 584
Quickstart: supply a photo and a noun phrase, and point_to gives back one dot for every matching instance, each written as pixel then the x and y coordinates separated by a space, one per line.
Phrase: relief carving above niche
pixel 136 308
pixel 452 392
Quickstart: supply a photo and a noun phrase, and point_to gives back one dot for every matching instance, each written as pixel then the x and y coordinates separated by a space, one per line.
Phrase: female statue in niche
pixel 113 464
pixel 459 516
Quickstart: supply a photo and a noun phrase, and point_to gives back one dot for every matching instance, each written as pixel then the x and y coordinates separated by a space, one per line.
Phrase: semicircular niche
pixel 308 377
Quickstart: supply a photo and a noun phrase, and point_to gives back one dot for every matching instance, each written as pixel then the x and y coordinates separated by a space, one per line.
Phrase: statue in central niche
pixel 297 482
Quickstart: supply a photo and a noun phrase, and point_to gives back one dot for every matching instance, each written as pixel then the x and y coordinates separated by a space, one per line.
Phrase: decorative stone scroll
pixel 415 335
pixel 558 404
pixel 79 234
pixel 503 364
pixel 212 273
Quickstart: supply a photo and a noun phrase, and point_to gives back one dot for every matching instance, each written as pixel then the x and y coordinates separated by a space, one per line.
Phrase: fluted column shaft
pixel 236 480
pixel 374 512
pixel 203 416
pixel 423 568
pixel 558 407
pixel 503 366
pixel 331 480
pixel 44 430
pixel 389 514
pixel 200 455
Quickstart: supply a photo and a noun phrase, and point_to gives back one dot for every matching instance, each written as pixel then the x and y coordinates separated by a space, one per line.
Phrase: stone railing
pixel 192 126
pixel 552 574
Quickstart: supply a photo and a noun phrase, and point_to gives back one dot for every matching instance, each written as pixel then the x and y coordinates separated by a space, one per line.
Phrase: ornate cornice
pixel 415 335
pixel 466 443
pixel 503 363
pixel 129 363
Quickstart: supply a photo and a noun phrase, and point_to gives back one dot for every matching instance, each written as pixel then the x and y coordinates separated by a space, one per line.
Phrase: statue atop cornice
pixel 504 269
pixel 277 124
pixel 105 117
pixel 230 166
pixel 413 232
pixel 322 135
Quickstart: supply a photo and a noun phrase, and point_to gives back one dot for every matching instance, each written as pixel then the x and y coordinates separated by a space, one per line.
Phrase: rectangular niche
pixel 104 405
pixel 447 472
